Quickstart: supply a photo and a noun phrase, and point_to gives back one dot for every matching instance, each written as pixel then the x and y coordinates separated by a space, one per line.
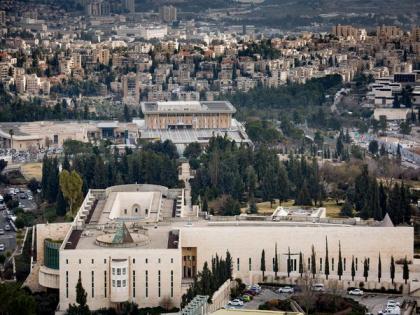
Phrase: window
pixel 80 274
pixel 113 271
pixel 104 261
pixel 67 284
pixel 172 283
pixel 67 261
pixel 332 264
pixel 80 261
pixel 344 264
pixel 125 211
pixel 147 283
pixel 118 283
pixel 93 284
pixel 158 283
pixel 320 264
pixel 172 260
pixel 113 283
pixel 134 260
pixel 105 283
pixel 134 283
pixel 147 261
pixel 118 271
pixel 237 264
pixel 123 271
pixel 136 210
pixel 158 260
pixel 250 264
pixel 309 264
pixel 93 261
pixel 356 264
pixel 124 283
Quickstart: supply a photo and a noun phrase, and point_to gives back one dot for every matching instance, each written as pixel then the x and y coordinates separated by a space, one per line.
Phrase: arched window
pixel 125 211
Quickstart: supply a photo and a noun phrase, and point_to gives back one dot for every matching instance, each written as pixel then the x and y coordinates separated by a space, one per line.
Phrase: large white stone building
pixel 126 244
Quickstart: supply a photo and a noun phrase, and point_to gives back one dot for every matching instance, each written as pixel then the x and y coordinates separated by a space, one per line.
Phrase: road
pixel 264 296
pixel 376 302
pixel 9 237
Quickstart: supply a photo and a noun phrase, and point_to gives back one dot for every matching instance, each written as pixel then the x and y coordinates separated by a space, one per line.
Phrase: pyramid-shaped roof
pixel 122 235
pixel 386 221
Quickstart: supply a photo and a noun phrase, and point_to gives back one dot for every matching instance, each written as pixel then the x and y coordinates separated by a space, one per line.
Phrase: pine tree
pixel 313 262
pixel 262 267
pixel 353 269
pixel 340 262
pixel 327 262
pixel 301 264
pixel 276 262
pixel 365 269
pixel 392 269
pixel 379 268
pixel 406 271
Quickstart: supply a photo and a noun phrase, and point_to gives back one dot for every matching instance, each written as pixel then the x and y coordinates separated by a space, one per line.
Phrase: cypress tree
pixel 340 262
pixel 66 163
pixel 300 264
pixel 313 262
pixel 327 262
pixel 61 205
pixel 406 271
pixel 289 263
pixel 228 263
pixel 383 200
pixel 262 267
pixel 353 269
pixel 392 269
pixel 379 268
pixel 276 262
pixel 365 269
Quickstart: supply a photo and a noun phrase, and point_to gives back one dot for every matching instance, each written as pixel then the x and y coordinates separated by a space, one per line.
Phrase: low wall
pixel 221 297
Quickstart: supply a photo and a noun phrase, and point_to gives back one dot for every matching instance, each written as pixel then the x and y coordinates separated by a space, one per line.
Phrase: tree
pixel 405 128
pixel 33 185
pixel 406 271
pixel 392 269
pixel 81 297
pixel 300 264
pixel 396 102
pixel 347 209
pixel 262 266
pixel 383 124
pixel 365 269
pixel 373 147
pixel 289 263
pixel 192 150
pixel 327 263
pixel 276 262
pixel 16 300
pixel 313 262
pixel 71 186
pixel 340 262
pixel 379 268
pixel 353 269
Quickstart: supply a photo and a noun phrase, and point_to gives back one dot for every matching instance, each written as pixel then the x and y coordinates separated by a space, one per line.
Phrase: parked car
pixel 319 287
pixel 246 298
pixel 1 231
pixel 22 195
pixel 1 247
pixel 7 227
pixel 286 289
pixel 356 292
pixel 236 302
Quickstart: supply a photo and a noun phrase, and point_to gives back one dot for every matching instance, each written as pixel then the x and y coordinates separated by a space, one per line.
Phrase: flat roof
pixel 176 107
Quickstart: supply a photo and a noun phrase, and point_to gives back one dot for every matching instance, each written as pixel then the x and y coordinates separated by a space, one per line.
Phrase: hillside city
pixel 219 157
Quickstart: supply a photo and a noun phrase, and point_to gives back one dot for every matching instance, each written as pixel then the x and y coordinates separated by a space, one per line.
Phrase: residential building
pixel 168 13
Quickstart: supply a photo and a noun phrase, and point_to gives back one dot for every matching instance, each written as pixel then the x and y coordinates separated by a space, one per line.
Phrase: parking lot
pixel 374 302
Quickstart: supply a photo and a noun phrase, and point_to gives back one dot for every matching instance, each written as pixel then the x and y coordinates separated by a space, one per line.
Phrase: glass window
pixel 113 271
pixel 158 260
pixel 118 283
pixel 113 283
pixel 147 260
pixel 67 261
pixel 123 271
pixel 118 271
pixel 104 261
pixel 93 261
pixel 134 260
pixel 123 283
pixel 172 260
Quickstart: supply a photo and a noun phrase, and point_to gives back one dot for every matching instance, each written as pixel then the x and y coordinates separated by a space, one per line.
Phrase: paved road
pixel 264 296
pixel 376 302
pixel 9 237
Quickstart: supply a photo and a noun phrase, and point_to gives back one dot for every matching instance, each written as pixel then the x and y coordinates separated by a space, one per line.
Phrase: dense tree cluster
pixel 371 199
pixel 228 169
pixel 98 167
pixel 209 279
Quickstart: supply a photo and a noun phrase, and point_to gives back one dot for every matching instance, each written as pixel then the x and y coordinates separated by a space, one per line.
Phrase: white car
pixel 318 287
pixel 2 247
pixel 356 292
pixel 236 302
pixel 286 290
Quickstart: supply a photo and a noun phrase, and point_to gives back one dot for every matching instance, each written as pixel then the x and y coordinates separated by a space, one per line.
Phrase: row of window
pixel 146 260
pixel 119 271
pixel 123 283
